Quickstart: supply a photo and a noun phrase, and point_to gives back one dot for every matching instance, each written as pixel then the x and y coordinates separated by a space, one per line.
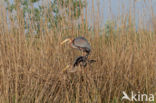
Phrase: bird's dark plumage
pixel 82 61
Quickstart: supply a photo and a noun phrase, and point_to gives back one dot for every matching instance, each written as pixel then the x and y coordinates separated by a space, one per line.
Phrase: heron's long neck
pixel 72 44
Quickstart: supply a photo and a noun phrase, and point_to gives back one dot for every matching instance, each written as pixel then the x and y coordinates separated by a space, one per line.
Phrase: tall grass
pixel 31 65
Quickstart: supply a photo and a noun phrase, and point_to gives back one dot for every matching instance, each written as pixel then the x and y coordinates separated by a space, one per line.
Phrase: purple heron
pixel 80 43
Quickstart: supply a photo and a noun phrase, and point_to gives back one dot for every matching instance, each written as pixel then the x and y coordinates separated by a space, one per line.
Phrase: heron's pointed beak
pixel 66 40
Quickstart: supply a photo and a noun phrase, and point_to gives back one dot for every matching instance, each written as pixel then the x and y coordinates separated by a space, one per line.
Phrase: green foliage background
pixel 34 11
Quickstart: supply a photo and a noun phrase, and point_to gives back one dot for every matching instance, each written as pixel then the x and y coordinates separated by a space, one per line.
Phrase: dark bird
pixel 82 61
pixel 80 43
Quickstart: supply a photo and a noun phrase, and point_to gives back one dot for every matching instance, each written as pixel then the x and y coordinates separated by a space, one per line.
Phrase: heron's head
pixel 68 40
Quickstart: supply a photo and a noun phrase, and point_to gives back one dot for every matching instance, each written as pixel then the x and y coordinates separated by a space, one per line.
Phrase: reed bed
pixel 32 64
